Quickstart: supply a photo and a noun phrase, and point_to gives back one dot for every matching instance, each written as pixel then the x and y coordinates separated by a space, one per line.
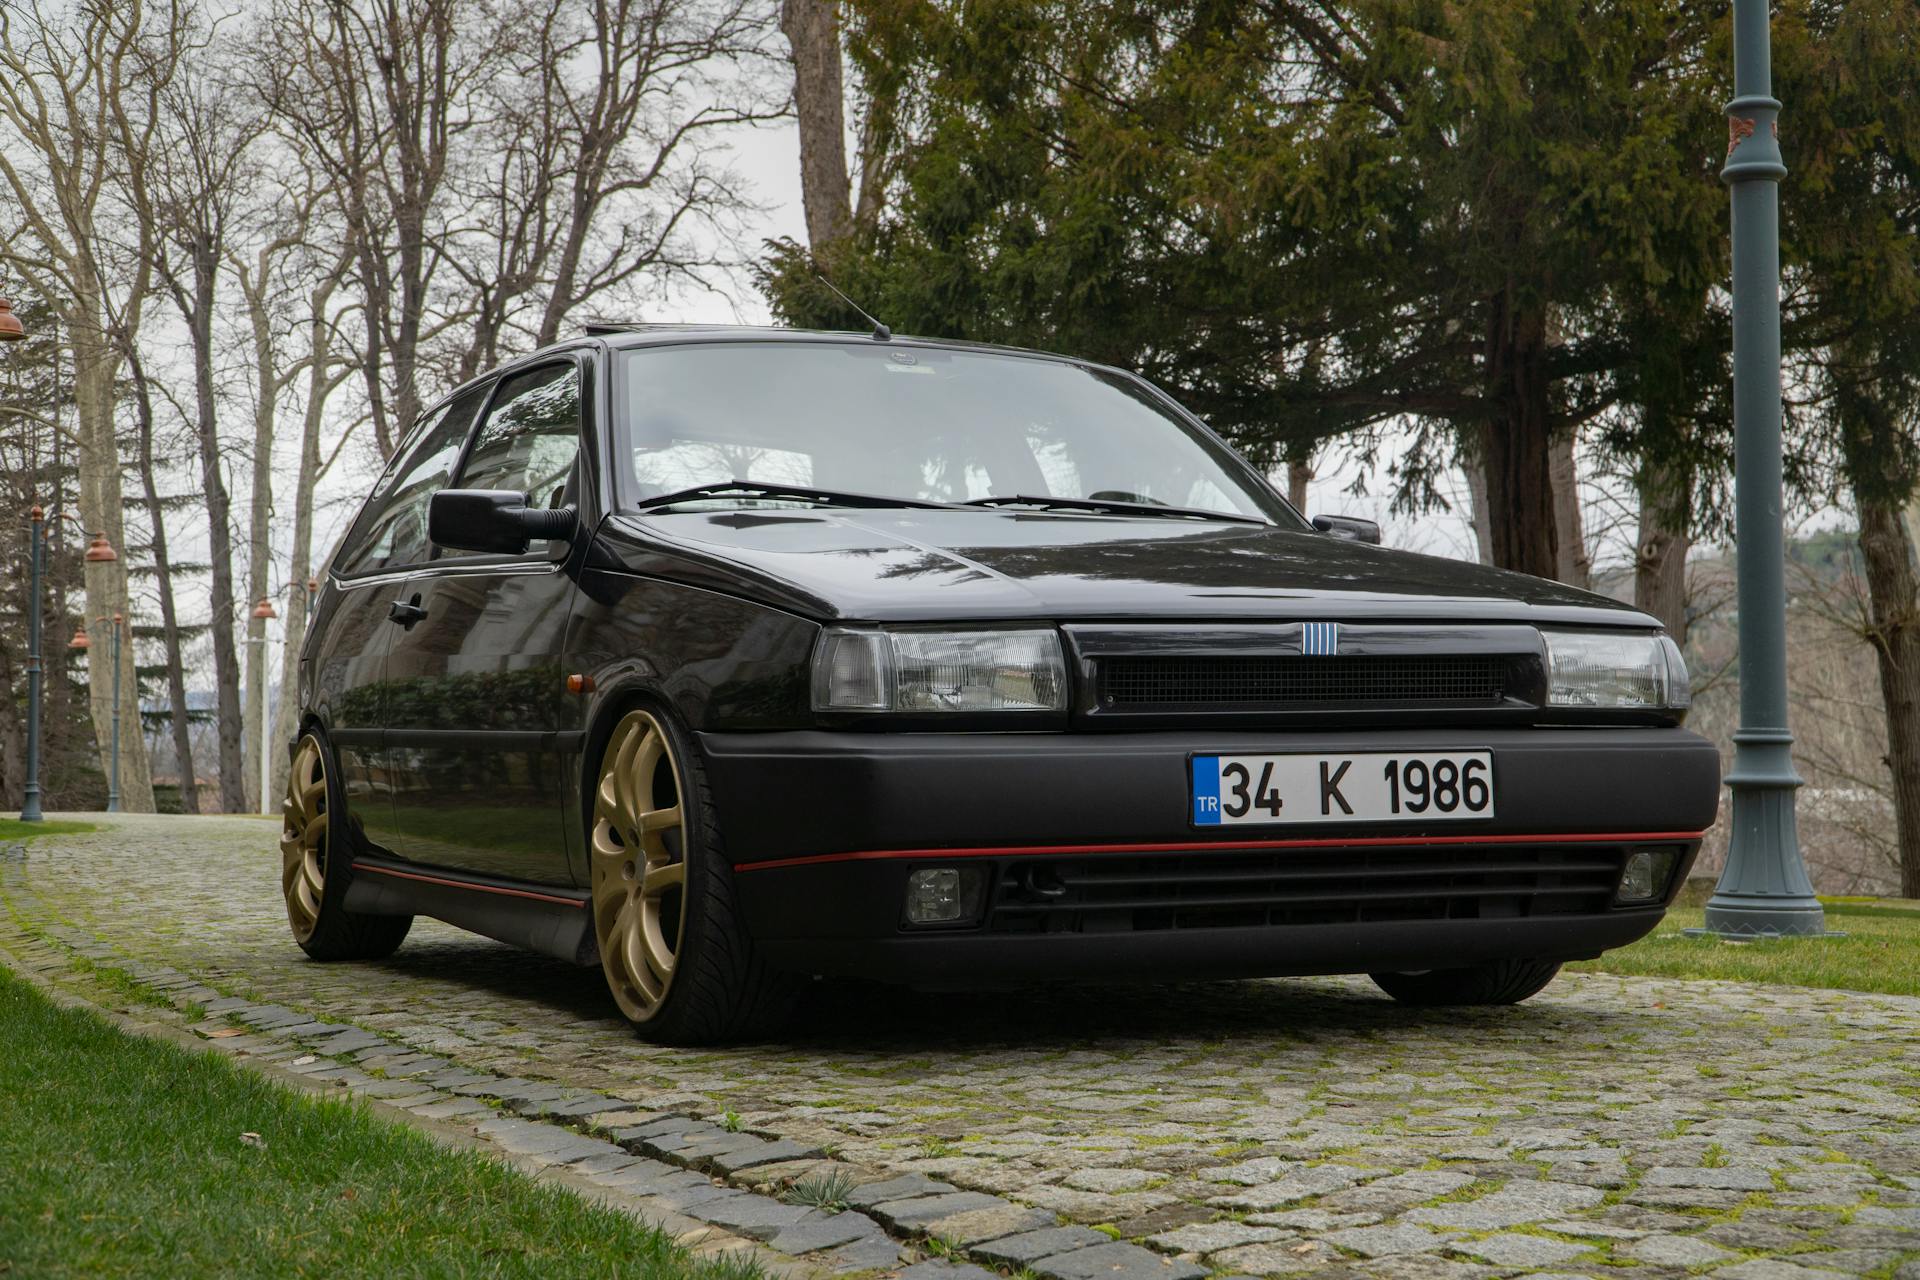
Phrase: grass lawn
pixel 123 1156
pixel 1881 952
pixel 14 829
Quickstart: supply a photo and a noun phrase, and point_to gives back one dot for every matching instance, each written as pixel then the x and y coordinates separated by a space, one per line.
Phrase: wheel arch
pixel 633 691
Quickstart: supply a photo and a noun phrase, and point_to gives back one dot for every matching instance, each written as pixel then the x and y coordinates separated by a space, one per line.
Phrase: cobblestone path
pixel 1276 1128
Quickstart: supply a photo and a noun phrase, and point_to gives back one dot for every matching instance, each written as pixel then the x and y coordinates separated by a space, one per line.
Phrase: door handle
pixel 406 613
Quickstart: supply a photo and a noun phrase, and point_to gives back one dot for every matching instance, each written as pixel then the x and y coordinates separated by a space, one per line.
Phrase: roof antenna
pixel 880 332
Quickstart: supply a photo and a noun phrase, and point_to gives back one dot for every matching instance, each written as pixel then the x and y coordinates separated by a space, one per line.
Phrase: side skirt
pixel 549 919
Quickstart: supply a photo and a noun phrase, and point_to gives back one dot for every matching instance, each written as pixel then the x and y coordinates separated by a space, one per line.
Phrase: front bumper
pixel 1091 870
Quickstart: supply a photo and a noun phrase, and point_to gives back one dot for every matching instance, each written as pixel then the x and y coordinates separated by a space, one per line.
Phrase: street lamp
pixel 263 610
pixel 1764 888
pixel 11 330
pixel 37 518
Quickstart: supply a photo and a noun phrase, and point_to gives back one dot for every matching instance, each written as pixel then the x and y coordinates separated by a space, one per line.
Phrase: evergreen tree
pixel 1851 249
pixel 1310 220
pixel 38 469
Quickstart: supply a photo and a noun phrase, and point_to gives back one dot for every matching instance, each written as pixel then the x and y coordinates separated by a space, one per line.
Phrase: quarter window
pixel 392 531
pixel 530 438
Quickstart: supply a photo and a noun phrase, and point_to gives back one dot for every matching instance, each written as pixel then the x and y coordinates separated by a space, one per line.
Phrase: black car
pixel 725 657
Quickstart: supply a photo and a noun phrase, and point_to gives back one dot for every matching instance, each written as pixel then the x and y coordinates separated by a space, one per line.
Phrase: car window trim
pixel 1265 493
pixel 438 555
pixel 415 437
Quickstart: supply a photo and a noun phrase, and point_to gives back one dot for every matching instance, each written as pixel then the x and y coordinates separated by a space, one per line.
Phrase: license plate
pixel 1366 787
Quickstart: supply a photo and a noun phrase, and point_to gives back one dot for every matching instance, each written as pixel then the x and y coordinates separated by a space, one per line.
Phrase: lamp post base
pixel 1763 918
pixel 1764 890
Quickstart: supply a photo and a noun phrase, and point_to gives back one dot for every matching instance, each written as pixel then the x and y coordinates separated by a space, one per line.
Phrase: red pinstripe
pixel 468 884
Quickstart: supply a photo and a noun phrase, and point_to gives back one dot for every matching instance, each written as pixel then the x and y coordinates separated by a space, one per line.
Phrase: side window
pixel 392 531
pixel 530 438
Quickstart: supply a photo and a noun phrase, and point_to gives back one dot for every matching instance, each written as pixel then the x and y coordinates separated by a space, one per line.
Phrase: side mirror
pixel 1346 528
pixel 497 521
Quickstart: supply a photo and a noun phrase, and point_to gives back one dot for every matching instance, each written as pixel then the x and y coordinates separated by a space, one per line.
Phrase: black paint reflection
pixel 473 695
pixel 348 656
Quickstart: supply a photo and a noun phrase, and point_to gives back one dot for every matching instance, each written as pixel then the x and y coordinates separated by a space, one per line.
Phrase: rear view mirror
pixel 497 521
pixel 1348 528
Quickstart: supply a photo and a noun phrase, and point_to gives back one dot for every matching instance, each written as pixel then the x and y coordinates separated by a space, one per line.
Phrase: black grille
pixel 1198 890
pixel 1413 680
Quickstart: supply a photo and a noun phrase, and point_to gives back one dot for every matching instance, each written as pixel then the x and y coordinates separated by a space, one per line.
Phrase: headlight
pixel 930 671
pixel 1616 670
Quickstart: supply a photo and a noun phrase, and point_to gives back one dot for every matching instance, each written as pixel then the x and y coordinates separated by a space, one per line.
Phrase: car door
pixel 386 540
pixel 476 693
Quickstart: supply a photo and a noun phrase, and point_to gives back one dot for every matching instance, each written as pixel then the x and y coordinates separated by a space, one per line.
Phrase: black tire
pixel 722 990
pixel 336 933
pixel 1498 982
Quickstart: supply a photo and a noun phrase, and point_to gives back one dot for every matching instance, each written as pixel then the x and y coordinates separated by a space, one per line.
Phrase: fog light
pixel 944 895
pixel 1646 875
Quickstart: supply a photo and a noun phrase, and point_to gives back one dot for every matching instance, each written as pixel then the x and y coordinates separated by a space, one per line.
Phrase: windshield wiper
pixel 747 491
pixel 1113 506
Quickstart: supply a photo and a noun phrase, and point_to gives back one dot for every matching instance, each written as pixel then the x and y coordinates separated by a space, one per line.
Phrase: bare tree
pixel 179 724
pixel 278 244
pixel 80 88
pixel 596 161
pixel 325 372
pixel 190 192
pixel 379 96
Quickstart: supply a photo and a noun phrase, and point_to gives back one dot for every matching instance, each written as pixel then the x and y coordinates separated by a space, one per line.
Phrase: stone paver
pixel 1522 1251
pixel 1030 1247
pixel 1262 1128
pixel 1678 1251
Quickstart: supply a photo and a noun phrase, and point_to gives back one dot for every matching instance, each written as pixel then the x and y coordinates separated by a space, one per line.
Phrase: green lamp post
pixel 1764 888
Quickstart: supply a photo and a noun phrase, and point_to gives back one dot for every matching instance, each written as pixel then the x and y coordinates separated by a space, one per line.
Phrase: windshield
pixel 918 424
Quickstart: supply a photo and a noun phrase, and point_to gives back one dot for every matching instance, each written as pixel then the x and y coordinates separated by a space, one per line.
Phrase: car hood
pixel 920 565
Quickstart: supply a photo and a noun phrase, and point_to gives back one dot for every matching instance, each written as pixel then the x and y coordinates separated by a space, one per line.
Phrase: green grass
pixel 14 829
pixel 121 983
pixel 828 1190
pixel 1881 952
pixel 123 1156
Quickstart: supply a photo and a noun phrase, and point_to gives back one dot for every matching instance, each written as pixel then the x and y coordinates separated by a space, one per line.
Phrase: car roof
pixel 658 333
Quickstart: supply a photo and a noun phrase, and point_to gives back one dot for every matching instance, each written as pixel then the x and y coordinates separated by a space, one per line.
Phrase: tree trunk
pixel 1895 603
pixel 812 27
pixel 226 664
pixel 94 365
pixel 180 725
pixel 1482 518
pixel 1574 567
pixel 1660 558
pixel 259 515
pixel 301 567
pixel 13 765
pixel 1299 475
pixel 1518 441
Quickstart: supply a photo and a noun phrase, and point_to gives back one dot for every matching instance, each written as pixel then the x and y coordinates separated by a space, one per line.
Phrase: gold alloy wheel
pixel 303 839
pixel 639 864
